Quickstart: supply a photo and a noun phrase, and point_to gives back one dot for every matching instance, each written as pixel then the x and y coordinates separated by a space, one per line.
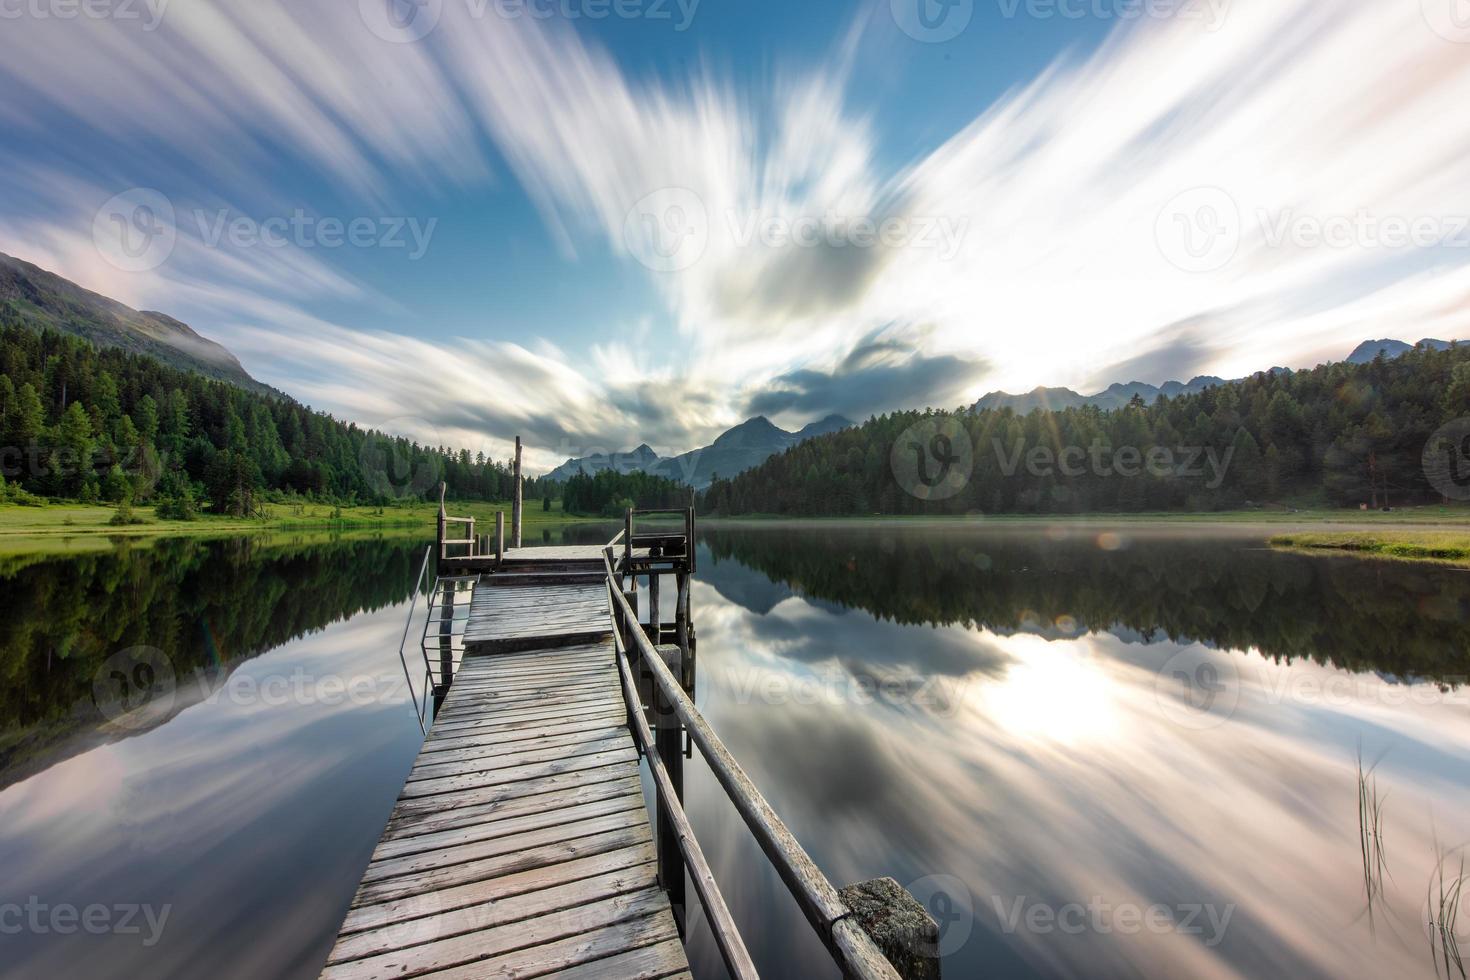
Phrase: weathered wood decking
pixel 520 845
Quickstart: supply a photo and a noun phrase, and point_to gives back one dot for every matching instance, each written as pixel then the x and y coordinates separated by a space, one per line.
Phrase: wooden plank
pixel 623 780
pixel 476 850
pixel 497 826
pixel 393 889
pixel 491 722
pixel 505 739
pixel 486 945
pixel 511 791
pixel 371 917
pixel 520 844
pixel 517 774
pixel 649 963
pixel 488 761
pixel 491 914
pixel 587 948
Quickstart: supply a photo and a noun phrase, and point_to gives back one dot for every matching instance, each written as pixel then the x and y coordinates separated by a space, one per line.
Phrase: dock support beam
pixel 446 648
pixel 655 614
pixel 669 739
pixel 517 504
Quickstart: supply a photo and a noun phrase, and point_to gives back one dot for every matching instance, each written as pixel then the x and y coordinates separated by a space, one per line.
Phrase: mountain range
pixel 1117 395
pixel 745 446
pixel 42 299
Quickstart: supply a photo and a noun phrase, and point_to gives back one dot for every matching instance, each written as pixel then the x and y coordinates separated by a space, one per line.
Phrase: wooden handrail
pixel 850 945
pixel 722 923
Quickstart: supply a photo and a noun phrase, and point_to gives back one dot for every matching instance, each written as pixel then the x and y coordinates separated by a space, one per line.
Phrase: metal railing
pixel 852 949
pixel 419 712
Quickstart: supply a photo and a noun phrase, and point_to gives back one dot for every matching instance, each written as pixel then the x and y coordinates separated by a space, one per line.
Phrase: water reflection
pixel 1049 737
pixel 1061 740
pixel 234 829
pixel 205 606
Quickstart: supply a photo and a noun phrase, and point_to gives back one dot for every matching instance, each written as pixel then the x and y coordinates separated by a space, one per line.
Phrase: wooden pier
pixel 521 845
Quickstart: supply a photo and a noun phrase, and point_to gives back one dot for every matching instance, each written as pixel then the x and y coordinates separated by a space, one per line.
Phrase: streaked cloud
pixel 1037 245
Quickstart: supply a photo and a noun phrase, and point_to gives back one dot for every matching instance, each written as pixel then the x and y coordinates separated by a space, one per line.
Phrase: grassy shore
pixel 23 527
pixel 1436 517
pixel 1443 547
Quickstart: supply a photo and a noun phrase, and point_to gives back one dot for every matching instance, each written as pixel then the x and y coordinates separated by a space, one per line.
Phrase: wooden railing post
pixel 499 537
pixel 516 504
pixel 439 536
pixel 655 614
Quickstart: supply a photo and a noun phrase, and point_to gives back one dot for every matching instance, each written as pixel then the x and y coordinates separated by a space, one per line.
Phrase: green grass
pixel 1433 516
pixel 23 528
pixel 1445 547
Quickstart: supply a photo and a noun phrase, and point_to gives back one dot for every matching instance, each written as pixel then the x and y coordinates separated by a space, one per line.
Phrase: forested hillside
pixel 92 424
pixel 1341 434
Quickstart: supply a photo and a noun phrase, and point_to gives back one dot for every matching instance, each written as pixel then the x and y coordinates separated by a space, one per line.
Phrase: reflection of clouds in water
pixel 211 811
pixel 1061 779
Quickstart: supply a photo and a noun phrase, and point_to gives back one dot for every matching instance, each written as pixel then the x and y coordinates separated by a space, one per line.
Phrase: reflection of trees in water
pixel 203 603
pixel 1407 620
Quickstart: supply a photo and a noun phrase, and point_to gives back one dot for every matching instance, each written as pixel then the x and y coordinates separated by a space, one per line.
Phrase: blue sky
pixel 600 232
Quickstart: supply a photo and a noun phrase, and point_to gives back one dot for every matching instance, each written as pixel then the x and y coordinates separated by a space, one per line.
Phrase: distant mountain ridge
pixel 1117 395
pixel 1365 352
pixel 745 446
pixel 41 299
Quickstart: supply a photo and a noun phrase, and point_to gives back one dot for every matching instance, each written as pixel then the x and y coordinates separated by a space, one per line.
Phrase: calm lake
pixel 1092 753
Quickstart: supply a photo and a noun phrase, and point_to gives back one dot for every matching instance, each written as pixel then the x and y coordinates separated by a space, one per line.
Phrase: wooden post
pixel 516 504
pixel 499 537
pixel 669 740
pixel 440 533
pixel 628 540
pixel 655 614
pixel 682 631
pixel 689 561
pixel 446 648
pixel 899 924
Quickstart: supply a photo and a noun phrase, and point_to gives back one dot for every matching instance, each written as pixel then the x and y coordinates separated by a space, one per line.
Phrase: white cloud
pixel 1051 197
